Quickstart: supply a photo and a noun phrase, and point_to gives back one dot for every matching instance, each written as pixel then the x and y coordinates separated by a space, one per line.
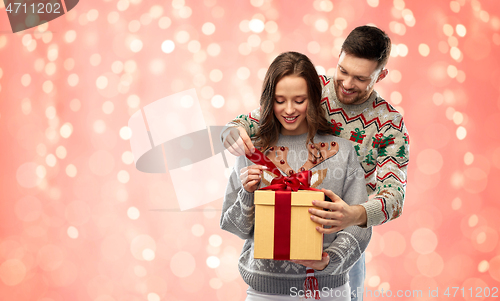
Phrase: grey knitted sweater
pixel 344 176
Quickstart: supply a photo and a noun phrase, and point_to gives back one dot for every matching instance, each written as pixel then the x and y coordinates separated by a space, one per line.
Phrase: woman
pixel 295 135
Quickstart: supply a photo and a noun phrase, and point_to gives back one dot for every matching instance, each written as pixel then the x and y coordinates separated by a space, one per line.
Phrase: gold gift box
pixel 306 243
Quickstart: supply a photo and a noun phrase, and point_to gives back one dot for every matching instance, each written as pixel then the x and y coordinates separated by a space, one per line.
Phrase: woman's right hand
pixel 250 176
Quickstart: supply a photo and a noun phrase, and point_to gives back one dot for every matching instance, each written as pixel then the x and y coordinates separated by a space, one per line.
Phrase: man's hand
pixel 237 141
pixel 250 177
pixel 339 215
pixel 318 265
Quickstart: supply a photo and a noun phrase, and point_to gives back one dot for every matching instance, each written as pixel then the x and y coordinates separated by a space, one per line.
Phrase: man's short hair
pixel 368 42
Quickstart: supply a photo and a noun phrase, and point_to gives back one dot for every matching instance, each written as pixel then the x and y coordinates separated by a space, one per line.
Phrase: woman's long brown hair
pixel 297 64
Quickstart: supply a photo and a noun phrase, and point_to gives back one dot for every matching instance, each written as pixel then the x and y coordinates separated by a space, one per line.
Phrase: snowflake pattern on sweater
pixel 381 141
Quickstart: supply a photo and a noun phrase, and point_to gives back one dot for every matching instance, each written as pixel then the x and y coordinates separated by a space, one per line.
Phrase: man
pixel 357 113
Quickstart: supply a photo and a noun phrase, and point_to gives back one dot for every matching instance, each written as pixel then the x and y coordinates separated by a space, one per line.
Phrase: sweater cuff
pixel 374 212
pixel 246 200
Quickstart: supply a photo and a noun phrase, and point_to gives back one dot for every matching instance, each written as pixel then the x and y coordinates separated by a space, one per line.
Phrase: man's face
pixel 355 77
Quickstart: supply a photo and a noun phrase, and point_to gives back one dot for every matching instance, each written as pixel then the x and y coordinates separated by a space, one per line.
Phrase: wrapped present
pixel 283 227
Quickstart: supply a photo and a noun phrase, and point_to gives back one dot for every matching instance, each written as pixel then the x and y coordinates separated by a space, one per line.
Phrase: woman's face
pixel 290 105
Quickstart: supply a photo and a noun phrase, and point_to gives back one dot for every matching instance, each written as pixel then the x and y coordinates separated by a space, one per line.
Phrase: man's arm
pixel 392 165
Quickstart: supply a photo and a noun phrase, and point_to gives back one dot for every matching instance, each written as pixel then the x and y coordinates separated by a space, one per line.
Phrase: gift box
pixel 283 227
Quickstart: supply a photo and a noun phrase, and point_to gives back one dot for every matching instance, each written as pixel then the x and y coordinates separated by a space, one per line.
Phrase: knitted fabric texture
pixel 344 177
pixel 381 142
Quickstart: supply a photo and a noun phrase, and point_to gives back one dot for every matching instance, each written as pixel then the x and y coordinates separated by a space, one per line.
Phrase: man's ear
pixel 382 75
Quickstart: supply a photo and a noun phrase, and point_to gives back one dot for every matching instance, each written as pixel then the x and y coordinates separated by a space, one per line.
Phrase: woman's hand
pixel 318 265
pixel 250 177
pixel 339 214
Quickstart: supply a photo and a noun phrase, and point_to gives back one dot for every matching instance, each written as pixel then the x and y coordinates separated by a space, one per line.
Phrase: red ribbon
pixel 283 187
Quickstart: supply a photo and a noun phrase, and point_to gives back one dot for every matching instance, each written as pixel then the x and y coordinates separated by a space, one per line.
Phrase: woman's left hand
pixel 318 265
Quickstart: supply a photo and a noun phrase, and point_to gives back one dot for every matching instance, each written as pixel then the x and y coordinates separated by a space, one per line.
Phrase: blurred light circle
pixel 113 247
pixel 133 101
pixel 197 230
pixel 424 50
pixel 484 239
pixel 12 272
pixel 424 241
pixel 72 232
pixel 51 160
pixel 71 170
pixel 133 213
pixel 194 46
pixel 395 76
pixel 321 25
pixel 61 152
pixel 461 30
pixel 217 101
pixel 26 175
pixel 141 243
pixel 125 133
pixel 429 161
pixel 374 281
pixel 476 179
pixel 123 176
pixel 26 80
pixel 213 262
pixel 99 126
pixel 215 240
pixel 117 67
pixel 483 266
pixel 213 49
pixel 396 97
pixel 128 157
pixel 101 82
pixel 70 36
pixel 148 254
pixel 208 28
pixel 182 36
pixel 140 271
pixel 73 80
pixel 253 40
pixel 167 46
pixel 153 297
pixel 182 264
pixel 243 73
pixel 108 107
pixel 48 86
pixel 136 45
pixel 66 130
pixel 215 75
pixel 256 25
pixel 215 283
pixel 461 133
pixel 494 269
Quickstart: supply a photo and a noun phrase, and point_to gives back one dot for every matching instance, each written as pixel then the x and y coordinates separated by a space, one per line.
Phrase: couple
pixel 292 116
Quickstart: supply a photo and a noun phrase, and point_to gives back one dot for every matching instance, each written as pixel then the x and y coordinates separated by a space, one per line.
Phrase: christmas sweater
pixel 380 139
pixel 337 171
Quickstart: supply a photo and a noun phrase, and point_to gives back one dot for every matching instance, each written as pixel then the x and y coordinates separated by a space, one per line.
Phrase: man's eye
pixel 361 79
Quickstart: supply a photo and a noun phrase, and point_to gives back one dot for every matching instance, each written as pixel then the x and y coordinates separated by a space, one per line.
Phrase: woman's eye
pixel 279 102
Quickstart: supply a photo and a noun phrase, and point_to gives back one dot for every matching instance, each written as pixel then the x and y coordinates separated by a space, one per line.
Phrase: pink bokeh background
pixel 79 222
